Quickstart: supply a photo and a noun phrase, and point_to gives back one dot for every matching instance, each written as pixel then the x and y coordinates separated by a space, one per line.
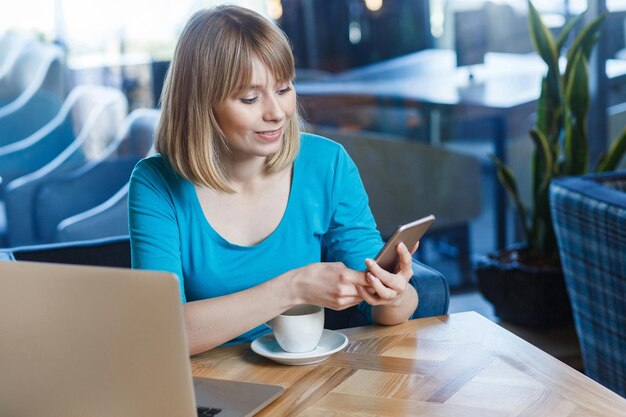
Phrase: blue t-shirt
pixel 327 219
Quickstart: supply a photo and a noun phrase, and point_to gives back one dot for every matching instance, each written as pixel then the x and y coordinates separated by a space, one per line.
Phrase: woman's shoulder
pixel 153 167
pixel 317 146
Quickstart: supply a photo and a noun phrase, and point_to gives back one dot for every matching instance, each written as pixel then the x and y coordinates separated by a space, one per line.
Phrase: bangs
pixel 272 49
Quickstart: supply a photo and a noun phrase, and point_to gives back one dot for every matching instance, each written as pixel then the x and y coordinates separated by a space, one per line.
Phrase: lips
pixel 270 135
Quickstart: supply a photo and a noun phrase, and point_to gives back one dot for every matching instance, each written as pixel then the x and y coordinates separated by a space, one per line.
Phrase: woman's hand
pixel 393 298
pixel 213 321
pixel 327 284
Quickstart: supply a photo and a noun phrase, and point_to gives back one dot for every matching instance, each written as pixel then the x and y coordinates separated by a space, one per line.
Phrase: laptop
pixel 94 341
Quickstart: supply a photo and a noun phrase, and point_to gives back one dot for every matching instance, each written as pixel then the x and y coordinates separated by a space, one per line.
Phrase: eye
pixel 250 100
pixel 285 90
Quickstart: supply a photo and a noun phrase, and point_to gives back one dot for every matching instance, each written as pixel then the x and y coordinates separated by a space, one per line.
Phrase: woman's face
pixel 255 121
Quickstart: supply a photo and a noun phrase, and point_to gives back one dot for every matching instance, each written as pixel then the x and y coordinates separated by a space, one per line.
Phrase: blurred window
pixel 106 26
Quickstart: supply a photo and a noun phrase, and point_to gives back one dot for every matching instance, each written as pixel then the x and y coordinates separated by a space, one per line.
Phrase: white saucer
pixel 330 343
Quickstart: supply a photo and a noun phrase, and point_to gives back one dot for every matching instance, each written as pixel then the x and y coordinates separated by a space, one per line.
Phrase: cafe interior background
pixel 422 94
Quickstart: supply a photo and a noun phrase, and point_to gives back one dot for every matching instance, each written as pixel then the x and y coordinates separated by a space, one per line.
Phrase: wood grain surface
pixel 456 365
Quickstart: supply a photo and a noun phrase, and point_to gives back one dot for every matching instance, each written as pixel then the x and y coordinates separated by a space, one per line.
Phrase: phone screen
pixel 409 234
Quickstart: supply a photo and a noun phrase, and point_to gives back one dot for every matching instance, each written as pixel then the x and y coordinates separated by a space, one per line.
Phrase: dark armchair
pixel 113 251
pixel 589 216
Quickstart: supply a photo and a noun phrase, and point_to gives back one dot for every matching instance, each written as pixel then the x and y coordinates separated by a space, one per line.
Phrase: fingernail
pixel 369 262
pixel 370 276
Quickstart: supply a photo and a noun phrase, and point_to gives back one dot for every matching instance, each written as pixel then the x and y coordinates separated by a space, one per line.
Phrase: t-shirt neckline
pixel 206 225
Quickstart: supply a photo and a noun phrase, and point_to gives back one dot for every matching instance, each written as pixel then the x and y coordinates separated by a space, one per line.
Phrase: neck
pixel 244 173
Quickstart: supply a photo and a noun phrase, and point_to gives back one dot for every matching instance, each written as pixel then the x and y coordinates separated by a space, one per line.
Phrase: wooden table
pixel 456 365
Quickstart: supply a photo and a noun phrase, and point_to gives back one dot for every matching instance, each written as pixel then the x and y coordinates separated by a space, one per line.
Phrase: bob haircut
pixel 213 61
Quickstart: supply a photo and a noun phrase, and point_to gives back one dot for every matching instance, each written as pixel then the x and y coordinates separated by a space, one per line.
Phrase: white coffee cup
pixel 299 329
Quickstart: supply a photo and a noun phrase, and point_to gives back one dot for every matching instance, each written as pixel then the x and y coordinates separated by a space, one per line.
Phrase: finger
pixel 401 249
pixel 350 276
pixel 347 291
pixel 388 279
pixel 378 271
pixel 369 289
pixel 350 301
pixel 350 298
pixel 381 289
pixel 369 298
pixel 405 266
pixel 346 302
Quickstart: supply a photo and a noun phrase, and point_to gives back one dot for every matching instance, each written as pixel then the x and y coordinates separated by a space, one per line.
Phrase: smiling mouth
pixel 270 134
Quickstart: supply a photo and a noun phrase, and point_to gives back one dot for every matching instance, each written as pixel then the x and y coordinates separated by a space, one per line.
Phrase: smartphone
pixel 408 233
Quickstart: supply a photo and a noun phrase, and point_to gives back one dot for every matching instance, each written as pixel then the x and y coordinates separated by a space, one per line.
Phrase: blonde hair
pixel 212 62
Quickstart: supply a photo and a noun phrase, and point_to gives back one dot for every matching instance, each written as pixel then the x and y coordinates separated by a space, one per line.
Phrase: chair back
pixel 488 26
pixel 406 180
pixel 68 194
pixel 96 183
pixel 38 66
pixel 11 44
pixel 137 136
pixel 107 219
pixel 96 117
pixel 83 127
pixel 32 92
pixel 589 216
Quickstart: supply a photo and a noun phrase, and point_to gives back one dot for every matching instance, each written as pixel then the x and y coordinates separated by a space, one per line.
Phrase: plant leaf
pixel 507 179
pixel 542 38
pixel 585 41
pixel 585 36
pixel 577 105
pixel 544 109
pixel 614 155
pixel 544 45
pixel 565 33
pixel 549 110
pixel 589 46
pixel 546 159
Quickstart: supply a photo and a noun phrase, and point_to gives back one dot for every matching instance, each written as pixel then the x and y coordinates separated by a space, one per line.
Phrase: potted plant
pixel 525 282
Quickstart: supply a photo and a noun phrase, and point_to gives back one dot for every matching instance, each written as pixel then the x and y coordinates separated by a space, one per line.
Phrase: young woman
pixel 251 215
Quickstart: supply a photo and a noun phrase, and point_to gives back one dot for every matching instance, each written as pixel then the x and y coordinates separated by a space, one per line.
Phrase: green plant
pixel 560 132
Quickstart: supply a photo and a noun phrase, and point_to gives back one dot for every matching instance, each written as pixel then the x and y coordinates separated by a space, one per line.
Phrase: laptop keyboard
pixel 208 411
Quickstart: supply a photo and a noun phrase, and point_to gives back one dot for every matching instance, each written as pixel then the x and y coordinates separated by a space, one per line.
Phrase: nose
pixel 273 111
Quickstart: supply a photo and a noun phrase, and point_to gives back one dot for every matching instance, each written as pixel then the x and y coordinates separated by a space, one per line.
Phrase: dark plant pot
pixel 529 296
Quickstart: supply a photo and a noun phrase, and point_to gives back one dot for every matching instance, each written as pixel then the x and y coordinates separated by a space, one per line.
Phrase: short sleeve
pixel 153 226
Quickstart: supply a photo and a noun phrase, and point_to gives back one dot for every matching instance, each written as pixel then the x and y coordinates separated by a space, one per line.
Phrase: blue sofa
pixel 589 217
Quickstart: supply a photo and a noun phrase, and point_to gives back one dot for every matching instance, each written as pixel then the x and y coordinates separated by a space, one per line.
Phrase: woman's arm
pixel 352 238
pixel 152 221
pixel 214 321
